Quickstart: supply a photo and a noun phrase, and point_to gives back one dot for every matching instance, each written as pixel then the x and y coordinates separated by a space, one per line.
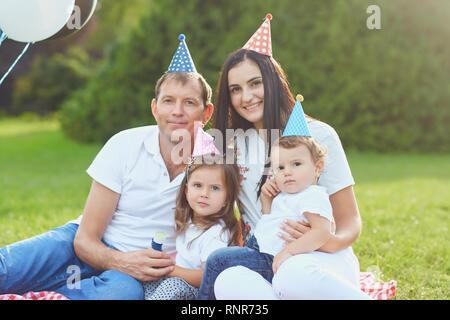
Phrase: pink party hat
pixel 261 40
pixel 203 144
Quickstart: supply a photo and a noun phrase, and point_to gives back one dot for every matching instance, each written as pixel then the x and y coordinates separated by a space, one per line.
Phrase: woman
pixel 253 93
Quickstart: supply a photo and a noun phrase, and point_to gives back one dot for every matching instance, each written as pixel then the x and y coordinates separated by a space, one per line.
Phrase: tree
pixel 382 90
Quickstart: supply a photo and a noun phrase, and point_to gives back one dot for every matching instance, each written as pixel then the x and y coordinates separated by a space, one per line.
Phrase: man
pixel 106 252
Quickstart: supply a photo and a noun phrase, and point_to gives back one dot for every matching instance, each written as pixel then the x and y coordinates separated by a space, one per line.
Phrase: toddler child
pixel 293 193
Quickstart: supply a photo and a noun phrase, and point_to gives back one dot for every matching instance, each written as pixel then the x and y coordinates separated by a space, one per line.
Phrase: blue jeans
pixel 221 259
pixel 48 263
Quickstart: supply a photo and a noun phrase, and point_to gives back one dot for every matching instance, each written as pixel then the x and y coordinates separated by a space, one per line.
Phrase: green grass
pixel 405 206
pixel 403 200
pixel 42 177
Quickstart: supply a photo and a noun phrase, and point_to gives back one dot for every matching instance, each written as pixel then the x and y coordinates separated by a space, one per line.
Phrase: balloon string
pixel 15 62
pixel 3 36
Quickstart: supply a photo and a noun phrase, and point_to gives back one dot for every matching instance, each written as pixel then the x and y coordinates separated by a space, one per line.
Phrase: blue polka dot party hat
pixel 182 61
pixel 296 125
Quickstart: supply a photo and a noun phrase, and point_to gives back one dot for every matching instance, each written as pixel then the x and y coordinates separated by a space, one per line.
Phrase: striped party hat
pixel 182 61
pixel 261 40
pixel 296 125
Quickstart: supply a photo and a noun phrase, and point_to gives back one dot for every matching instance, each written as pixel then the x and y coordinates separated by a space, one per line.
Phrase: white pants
pixel 310 276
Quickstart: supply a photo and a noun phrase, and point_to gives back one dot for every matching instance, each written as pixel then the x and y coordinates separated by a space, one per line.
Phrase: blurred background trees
pixel 382 90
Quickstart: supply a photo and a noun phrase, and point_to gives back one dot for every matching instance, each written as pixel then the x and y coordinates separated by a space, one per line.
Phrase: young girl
pixel 205 221
pixel 253 93
pixel 293 193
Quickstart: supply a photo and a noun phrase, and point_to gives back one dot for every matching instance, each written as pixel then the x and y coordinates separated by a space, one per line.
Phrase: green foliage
pixel 50 81
pixel 112 21
pixel 383 90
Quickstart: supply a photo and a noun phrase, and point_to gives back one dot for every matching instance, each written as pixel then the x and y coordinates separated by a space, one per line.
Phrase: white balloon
pixel 34 20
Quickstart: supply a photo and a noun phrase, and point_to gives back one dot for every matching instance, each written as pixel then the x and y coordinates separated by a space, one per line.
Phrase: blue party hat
pixel 182 61
pixel 296 125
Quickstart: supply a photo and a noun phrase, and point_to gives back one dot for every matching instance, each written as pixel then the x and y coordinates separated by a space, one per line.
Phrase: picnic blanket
pixel 376 290
pixel 43 295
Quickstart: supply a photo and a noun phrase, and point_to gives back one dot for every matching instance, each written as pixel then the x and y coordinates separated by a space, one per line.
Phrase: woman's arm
pixel 191 276
pixel 88 245
pixel 347 220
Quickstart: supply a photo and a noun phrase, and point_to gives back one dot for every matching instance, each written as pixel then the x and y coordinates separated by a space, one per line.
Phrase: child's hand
pixel 270 189
pixel 279 259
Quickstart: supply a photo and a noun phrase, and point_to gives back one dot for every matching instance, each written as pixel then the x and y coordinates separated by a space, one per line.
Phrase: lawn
pixel 403 199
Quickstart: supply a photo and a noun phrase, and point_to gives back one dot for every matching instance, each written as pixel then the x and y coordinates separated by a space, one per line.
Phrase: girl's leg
pixel 150 287
pixel 319 276
pixel 225 258
pixel 241 283
pixel 41 262
pixel 174 289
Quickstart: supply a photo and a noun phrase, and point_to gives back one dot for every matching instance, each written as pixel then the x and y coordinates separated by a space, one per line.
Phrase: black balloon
pixel 75 23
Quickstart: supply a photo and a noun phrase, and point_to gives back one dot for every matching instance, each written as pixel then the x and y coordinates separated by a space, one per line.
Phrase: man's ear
pixel 153 107
pixel 208 112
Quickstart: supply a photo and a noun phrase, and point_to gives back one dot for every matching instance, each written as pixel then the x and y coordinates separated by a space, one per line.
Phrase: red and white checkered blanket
pixel 44 295
pixel 376 290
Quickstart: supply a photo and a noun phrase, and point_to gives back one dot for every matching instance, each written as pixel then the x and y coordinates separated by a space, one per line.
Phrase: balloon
pixel 34 20
pixel 83 11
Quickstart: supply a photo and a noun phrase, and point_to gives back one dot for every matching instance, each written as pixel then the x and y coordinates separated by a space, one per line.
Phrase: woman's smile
pixel 254 106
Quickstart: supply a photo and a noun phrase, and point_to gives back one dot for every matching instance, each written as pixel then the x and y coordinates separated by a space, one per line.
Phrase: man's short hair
pixel 184 77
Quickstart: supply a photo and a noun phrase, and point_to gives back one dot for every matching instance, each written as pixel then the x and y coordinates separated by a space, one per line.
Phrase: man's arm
pixel 100 206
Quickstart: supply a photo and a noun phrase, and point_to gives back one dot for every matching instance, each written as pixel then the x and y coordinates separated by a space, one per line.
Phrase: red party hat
pixel 261 40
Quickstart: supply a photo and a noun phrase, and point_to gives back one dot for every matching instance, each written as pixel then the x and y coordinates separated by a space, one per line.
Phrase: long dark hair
pixel 278 99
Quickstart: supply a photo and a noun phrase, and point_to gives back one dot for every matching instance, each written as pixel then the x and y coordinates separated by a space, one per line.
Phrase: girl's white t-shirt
pixel 313 199
pixel 251 157
pixel 205 242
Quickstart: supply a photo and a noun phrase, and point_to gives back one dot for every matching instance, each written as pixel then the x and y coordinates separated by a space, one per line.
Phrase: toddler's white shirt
pixel 313 199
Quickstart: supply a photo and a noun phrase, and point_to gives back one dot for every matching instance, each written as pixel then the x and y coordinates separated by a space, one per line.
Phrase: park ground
pixel 403 200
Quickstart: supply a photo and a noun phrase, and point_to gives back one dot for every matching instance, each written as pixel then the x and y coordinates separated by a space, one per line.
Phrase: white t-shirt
pixel 130 163
pixel 313 199
pixel 193 256
pixel 335 176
